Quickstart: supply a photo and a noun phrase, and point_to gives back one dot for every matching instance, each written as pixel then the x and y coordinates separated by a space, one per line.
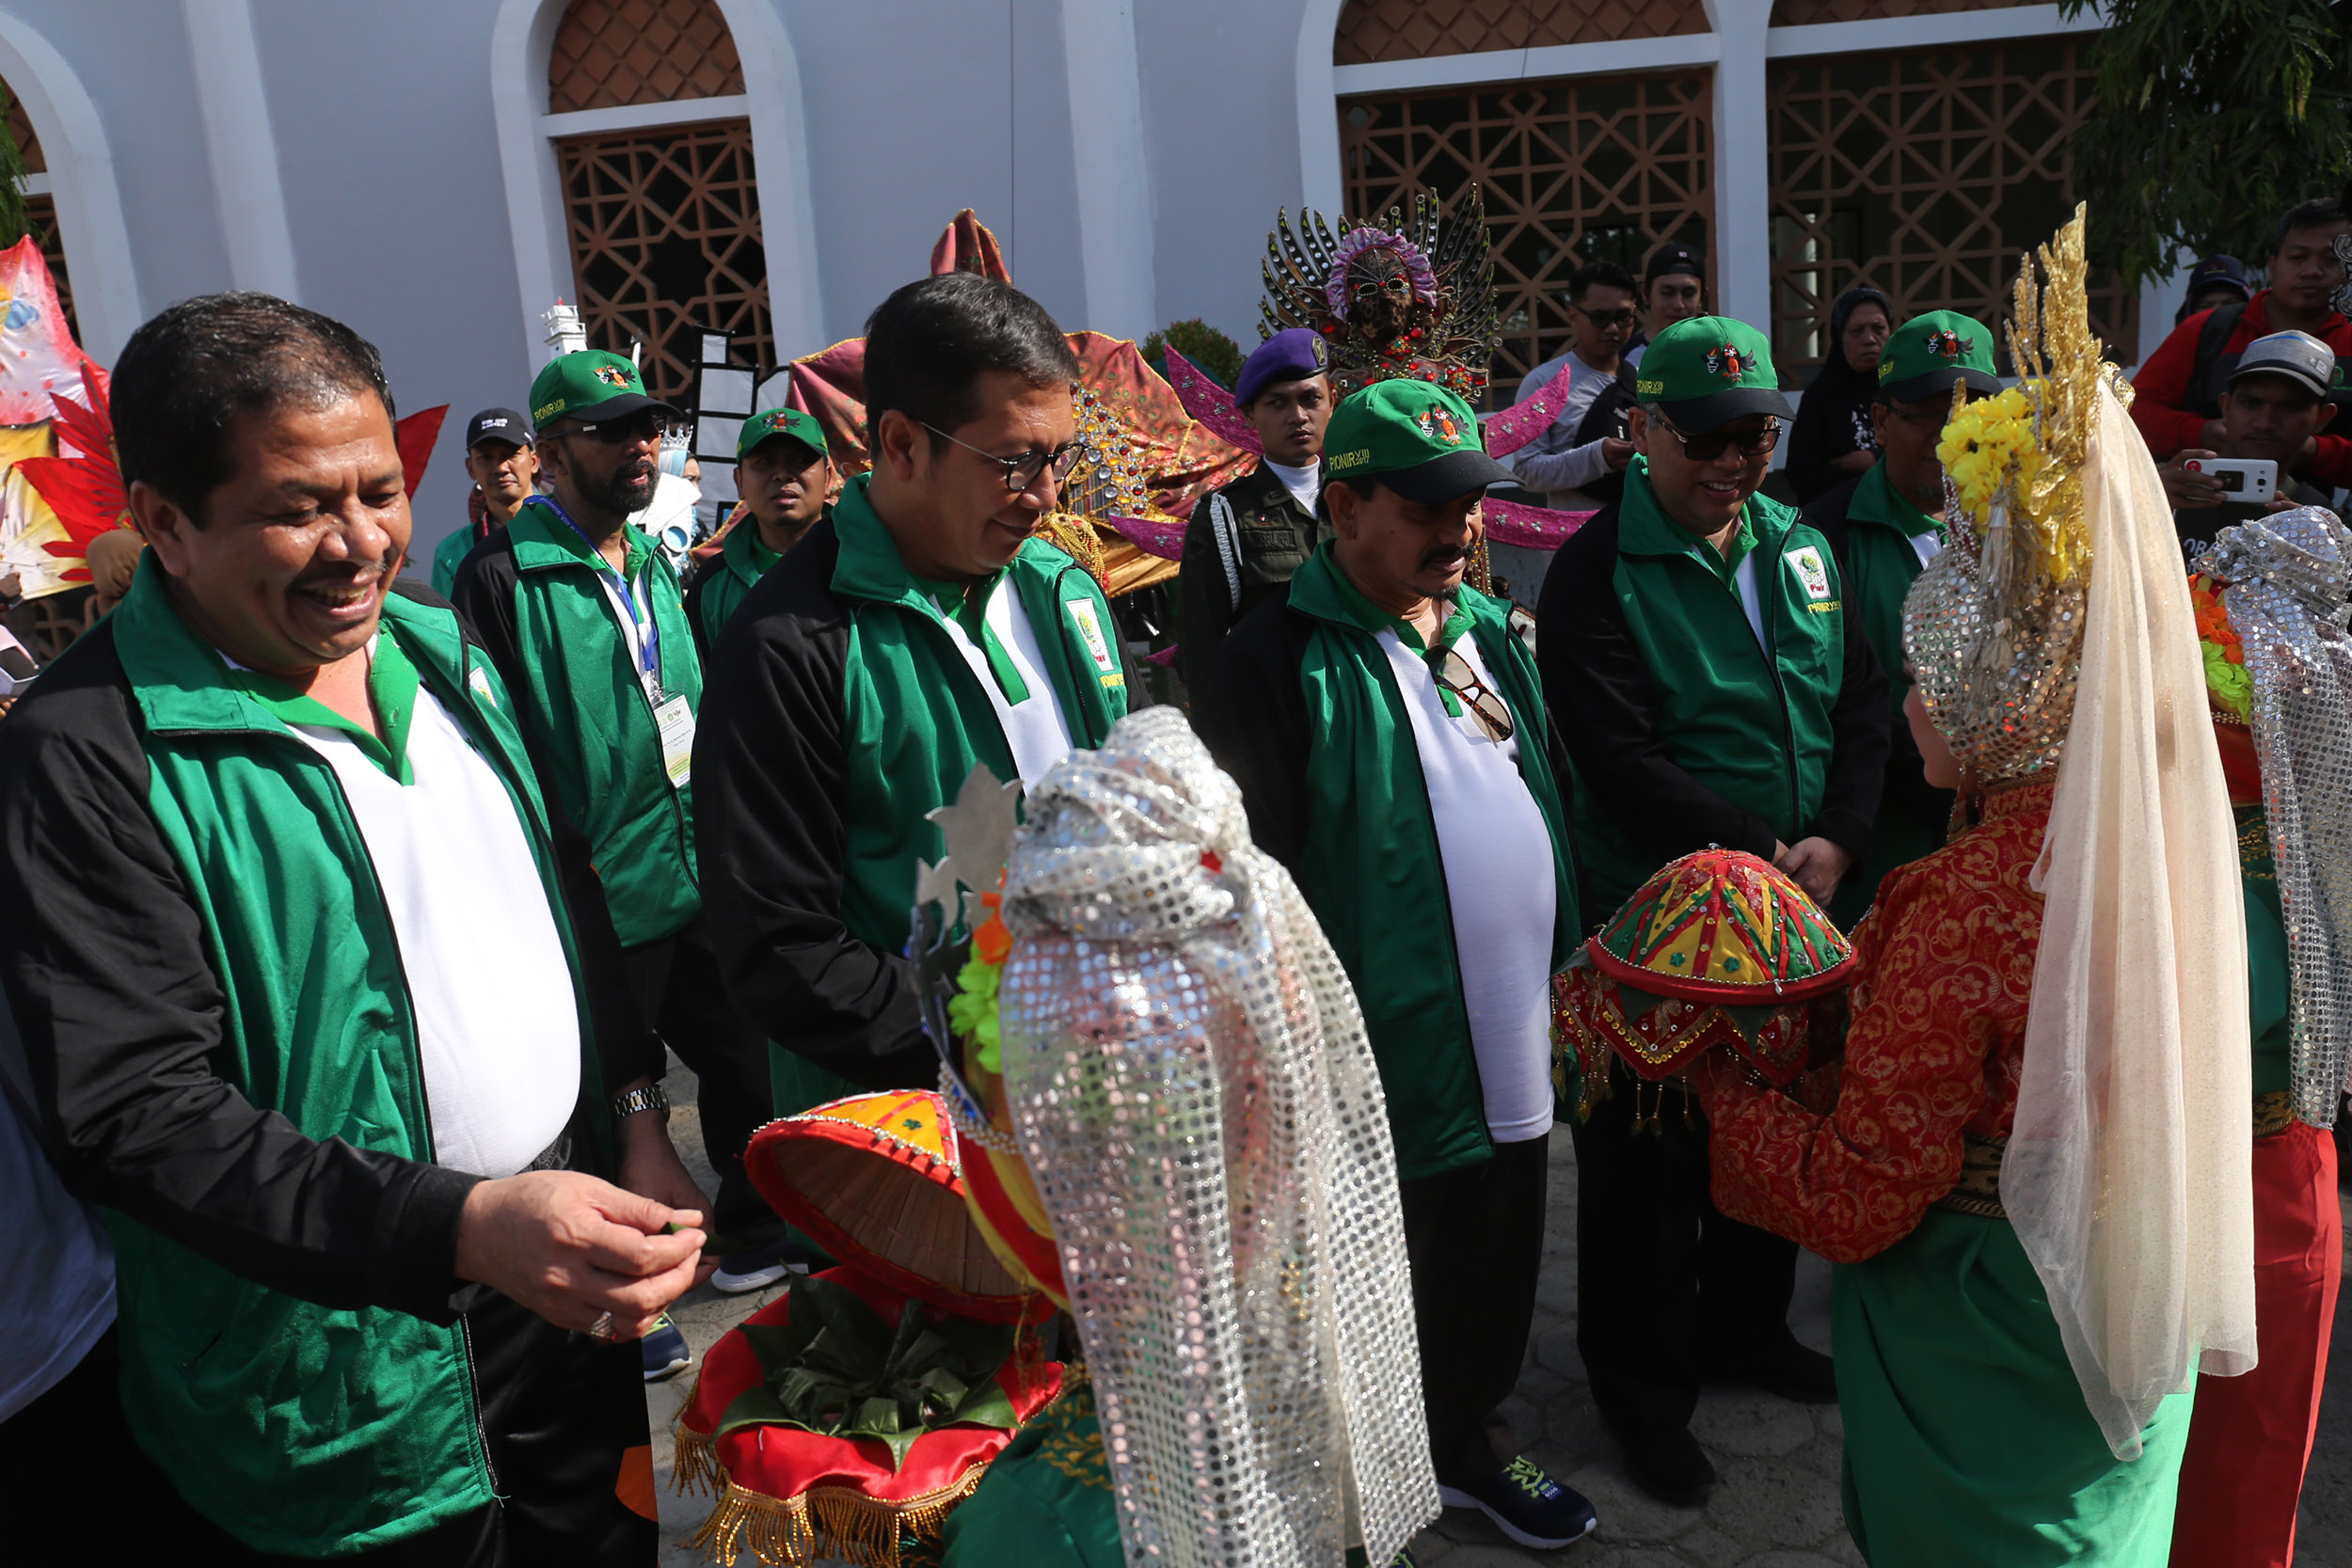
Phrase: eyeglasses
pixel 1022 471
pixel 1493 714
pixel 1931 414
pixel 649 424
pixel 1709 444
pixel 1605 319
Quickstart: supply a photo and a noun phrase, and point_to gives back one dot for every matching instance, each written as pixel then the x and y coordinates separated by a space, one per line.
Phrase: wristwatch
pixel 651 1099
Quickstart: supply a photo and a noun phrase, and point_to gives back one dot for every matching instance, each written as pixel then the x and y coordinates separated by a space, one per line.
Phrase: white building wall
pixel 1130 154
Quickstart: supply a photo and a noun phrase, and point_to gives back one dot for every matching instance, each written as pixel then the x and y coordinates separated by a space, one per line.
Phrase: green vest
pixel 914 716
pixel 1752 725
pixel 301 1429
pixel 1880 565
pixel 585 702
pixel 1370 867
pixel 743 559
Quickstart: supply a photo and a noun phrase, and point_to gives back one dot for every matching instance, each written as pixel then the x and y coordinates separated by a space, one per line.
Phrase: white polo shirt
pixel 1499 884
pixel 498 1026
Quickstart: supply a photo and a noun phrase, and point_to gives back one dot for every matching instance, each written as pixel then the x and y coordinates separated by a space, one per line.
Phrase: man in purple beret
pixel 1246 540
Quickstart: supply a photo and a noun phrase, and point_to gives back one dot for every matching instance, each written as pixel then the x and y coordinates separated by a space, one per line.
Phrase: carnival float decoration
pixel 1719 948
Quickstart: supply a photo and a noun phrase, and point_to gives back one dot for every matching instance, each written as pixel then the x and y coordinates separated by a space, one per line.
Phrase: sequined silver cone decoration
pixel 2288 575
pixel 1188 1075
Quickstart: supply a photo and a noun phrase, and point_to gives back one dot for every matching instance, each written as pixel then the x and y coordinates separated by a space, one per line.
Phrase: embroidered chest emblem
pixel 1090 624
pixel 1811 570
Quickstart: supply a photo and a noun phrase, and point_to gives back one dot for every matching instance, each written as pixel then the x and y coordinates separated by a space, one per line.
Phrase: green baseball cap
pixel 1414 437
pixel 793 424
pixel 591 385
pixel 1708 370
pixel 1928 355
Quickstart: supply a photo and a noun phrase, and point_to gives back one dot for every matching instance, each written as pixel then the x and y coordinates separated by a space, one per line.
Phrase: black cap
pixel 2223 271
pixel 1669 258
pixel 498 425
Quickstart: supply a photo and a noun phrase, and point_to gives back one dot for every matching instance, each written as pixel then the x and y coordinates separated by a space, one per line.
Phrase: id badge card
pixel 675 720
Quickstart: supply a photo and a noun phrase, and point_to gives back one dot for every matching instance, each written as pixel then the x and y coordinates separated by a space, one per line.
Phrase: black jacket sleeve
pixel 1606 710
pixel 1857 762
pixel 102 958
pixel 627 1047
pixel 1251 711
pixel 1204 598
pixel 772 841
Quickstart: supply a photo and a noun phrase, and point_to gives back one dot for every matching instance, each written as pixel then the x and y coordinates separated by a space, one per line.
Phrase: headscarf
pixel 1833 417
pixel 2057 629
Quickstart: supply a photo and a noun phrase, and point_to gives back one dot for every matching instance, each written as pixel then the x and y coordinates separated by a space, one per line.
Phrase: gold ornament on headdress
pixel 1993 625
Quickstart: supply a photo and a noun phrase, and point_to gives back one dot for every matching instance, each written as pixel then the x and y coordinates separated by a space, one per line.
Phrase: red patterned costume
pixel 1943 969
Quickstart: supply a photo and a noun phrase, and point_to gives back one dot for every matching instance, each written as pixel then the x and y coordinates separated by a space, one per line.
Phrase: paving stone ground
pixel 1777 1506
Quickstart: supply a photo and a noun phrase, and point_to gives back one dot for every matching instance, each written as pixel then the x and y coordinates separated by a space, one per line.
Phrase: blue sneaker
pixel 665 1351
pixel 1527 1505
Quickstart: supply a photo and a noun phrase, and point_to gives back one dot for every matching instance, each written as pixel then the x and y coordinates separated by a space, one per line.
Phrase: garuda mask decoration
pixel 1400 297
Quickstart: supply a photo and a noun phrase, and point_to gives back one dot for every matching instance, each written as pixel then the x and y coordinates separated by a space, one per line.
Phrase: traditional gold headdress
pixel 2056 630
pixel 1994 627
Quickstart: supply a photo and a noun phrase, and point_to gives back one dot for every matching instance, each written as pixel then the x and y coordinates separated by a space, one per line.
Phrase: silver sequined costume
pixel 1189 1078
pixel 2287 577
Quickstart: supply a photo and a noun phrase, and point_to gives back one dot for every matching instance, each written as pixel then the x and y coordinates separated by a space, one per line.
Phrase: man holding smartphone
pixel 2274 405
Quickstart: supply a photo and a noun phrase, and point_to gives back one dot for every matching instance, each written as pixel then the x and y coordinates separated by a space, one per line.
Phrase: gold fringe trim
pixel 694 1462
pixel 827 1522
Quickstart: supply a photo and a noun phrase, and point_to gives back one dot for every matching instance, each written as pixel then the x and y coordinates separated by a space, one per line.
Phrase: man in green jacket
pixel 921 628
pixel 583 615
pixel 783 474
pixel 503 461
pixel 1884 526
pixel 374 1294
pixel 1388 731
pixel 1712 688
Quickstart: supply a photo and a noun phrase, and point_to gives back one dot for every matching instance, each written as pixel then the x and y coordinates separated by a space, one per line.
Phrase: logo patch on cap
pixel 612 375
pixel 1948 344
pixel 1437 425
pixel 1321 351
pixel 1727 362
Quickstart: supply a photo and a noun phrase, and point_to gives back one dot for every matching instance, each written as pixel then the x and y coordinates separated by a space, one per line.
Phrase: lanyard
pixel 648 629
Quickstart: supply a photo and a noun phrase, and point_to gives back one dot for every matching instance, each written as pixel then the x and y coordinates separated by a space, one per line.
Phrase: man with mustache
pixel 1712 688
pixel 374 1291
pixel 583 615
pixel 1244 541
pixel 1387 732
pixel 783 474
pixel 921 628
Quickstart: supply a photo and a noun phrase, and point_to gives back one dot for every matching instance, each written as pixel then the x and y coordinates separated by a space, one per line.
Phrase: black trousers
pixel 677 985
pixel 1668 1289
pixel 1475 1240
pixel 564 1417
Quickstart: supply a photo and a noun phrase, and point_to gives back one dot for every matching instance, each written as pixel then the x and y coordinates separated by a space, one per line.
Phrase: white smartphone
pixel 2242 479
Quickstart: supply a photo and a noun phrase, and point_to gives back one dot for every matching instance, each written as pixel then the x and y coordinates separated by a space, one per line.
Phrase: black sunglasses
pixel 1605 318
pixel 1709 444
pixel 1022 471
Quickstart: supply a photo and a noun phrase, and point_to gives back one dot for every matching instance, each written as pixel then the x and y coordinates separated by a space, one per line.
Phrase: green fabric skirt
pixel 1967 1441
pixel 1046 1499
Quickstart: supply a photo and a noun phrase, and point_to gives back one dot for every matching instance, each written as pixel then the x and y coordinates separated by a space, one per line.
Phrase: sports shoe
pixel 665 1351
pixel 756 1268
pixel 1526 1504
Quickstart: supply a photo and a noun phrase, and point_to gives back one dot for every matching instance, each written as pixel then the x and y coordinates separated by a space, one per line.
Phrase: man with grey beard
pixel 584 618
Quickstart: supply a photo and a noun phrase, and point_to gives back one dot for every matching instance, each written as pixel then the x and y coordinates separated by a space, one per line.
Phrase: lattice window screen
pixel 1592 168
pixel 665 237
pixel 1799 13
pixel 607 53
pixel 1926 173
pixel 1372 30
